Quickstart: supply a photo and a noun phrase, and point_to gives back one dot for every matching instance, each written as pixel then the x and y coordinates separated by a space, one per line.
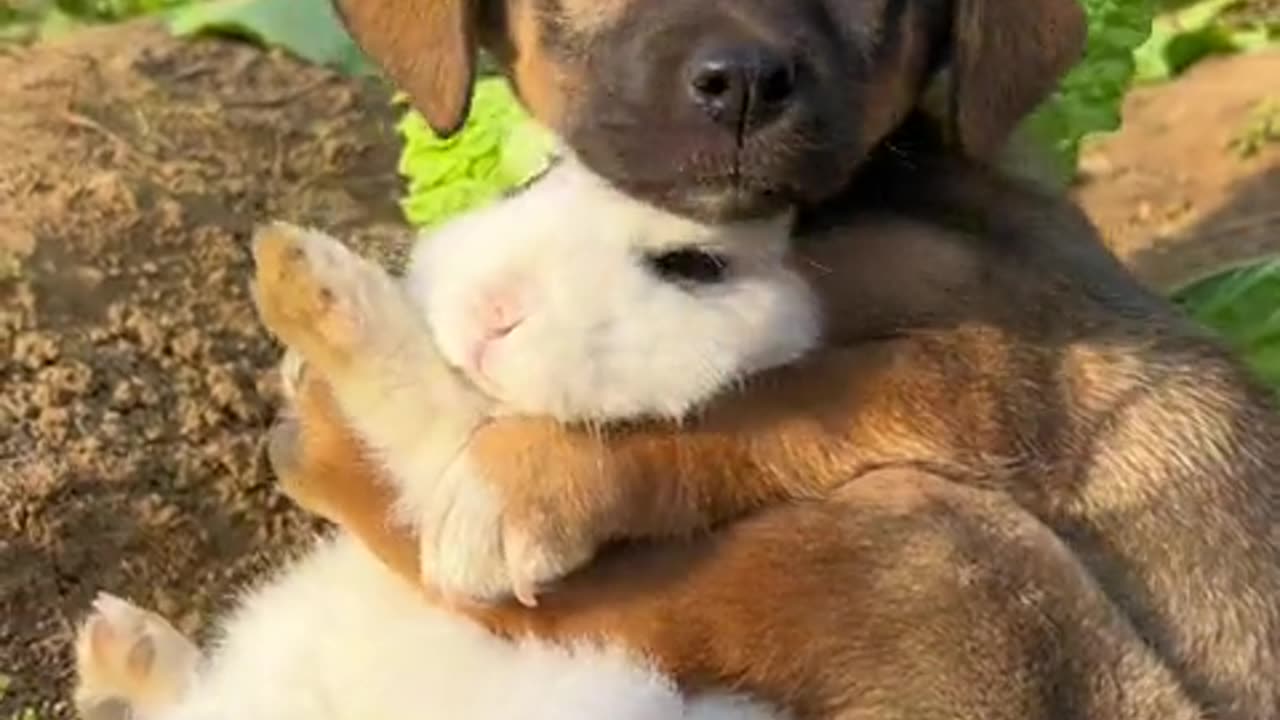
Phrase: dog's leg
pixel 334 491
pixel 903 595
pixel 130 662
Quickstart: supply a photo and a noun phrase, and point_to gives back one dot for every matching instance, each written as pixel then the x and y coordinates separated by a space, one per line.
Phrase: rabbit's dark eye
pixel 689 266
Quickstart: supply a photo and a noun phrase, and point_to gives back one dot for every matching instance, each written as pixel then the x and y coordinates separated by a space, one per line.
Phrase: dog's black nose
pixel 742 87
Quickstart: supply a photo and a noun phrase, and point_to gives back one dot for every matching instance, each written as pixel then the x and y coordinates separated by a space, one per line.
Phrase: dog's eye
pixel 689 266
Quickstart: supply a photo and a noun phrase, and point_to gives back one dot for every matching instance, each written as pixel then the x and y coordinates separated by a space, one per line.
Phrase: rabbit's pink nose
pixel 497 316
pixel 500 315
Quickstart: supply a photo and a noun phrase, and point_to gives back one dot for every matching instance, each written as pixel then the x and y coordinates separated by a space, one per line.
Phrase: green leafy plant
pixel 114 10
pixel 1201 29
pixel 1089 99
pixel 22 22
pixel 309 29
pixel 1243 306
pixel 28 20
pixel 499 149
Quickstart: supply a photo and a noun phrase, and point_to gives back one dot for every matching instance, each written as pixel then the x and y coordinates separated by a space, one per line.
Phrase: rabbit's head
pixel 574 300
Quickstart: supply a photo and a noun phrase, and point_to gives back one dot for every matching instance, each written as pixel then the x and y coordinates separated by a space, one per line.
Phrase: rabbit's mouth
pixel 480 356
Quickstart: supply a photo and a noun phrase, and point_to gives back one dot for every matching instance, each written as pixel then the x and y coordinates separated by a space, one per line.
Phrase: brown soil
pixel 1169 191
pixel 134 379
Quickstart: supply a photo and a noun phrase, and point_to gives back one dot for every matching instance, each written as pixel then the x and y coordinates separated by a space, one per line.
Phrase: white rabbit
pixel 335 636
pixel 568 299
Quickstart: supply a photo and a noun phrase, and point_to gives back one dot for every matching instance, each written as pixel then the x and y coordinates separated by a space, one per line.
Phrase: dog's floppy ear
pixel 1006 57
pixel 426 47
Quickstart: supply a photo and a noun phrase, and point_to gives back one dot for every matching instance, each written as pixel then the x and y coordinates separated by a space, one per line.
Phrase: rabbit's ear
pixel 426 47
pixel 1007 56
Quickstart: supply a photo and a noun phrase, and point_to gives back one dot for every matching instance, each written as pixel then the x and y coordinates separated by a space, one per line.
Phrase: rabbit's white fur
pixel 603 336
pixel 336 635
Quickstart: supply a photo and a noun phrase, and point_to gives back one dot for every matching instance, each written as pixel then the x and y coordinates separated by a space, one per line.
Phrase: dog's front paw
pixel 480 544
pixel 130 663
pixel 319 297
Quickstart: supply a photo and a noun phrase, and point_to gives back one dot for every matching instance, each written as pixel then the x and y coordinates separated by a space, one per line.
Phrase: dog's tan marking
pixel 426 48
pixel 543 84
pixel 592 16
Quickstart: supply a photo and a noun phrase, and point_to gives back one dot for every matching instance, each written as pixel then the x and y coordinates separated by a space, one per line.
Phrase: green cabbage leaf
pixel 499 149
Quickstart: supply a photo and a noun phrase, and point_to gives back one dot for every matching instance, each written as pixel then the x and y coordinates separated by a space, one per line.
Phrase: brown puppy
pixel 992 340
pixel 1020 359
pixel 719 108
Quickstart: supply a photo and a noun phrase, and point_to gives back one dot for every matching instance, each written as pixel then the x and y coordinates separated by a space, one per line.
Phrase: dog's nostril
pixel 777 83
pixel 712 81
pixel 741 87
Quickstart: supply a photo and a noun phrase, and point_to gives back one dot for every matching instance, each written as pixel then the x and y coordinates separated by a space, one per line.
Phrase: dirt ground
pixel 136 382
pixel 135 379
pixel 1171 191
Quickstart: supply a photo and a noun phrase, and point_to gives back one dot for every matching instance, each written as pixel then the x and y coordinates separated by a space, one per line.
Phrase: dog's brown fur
pixel 901 596
pixel 980 332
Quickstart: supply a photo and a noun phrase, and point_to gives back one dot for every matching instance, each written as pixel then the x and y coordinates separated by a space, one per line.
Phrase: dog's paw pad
pixel 127 656
pixel 307 286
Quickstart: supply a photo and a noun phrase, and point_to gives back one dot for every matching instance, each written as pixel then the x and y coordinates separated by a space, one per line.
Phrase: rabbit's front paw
pixel 130 663
pixel 319 297
pixel 481 546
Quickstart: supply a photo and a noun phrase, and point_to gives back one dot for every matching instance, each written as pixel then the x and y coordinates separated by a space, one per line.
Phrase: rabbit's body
pixel 337 635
